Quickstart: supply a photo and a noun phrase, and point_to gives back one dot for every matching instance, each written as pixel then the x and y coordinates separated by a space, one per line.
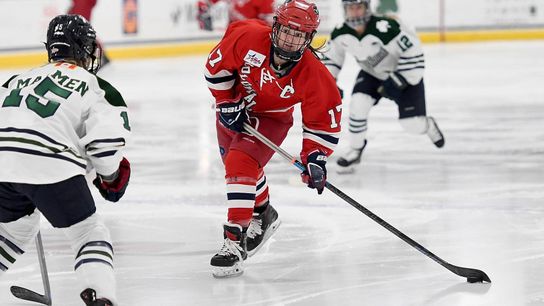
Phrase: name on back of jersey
pixel 64 81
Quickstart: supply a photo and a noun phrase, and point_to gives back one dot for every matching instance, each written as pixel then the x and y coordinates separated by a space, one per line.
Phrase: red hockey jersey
pixel 250 9
pixel 240 64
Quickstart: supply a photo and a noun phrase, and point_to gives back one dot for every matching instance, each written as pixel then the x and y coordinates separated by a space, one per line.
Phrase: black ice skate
pixel 229 260
pixel 434 133
pixel 347 162
pixel 263 225
pixel 89 297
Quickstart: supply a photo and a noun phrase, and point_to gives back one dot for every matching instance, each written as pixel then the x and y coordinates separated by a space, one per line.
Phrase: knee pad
pixel 414 125
pixel 14 236
pixel 240 164
pixel 22 231
pixel 90 229
pixel 360 105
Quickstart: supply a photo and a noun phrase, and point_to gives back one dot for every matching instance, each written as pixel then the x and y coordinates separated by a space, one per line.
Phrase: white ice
pixel 478 202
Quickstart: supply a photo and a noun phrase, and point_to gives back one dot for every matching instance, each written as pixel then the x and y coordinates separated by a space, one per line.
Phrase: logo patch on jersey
pixel 254 58
pixel 372 61
pixel 383 26
pixel 266 77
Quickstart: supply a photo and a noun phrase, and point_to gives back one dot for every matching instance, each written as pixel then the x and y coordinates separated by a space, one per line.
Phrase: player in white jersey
pixel 55 121
pixel 392 66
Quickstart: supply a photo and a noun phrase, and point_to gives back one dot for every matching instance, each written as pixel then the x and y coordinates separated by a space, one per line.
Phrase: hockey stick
pixel 472 275
pixel 29 295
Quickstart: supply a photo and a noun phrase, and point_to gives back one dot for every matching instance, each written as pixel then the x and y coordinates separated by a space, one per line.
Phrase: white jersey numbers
pixel 33 103
pixel 338 109
pixel 126 125
pixel 217 59
pixel 405 43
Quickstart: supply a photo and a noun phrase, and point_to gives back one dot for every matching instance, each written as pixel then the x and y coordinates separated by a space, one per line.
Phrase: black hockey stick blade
pixel 472 275
pixel 29 295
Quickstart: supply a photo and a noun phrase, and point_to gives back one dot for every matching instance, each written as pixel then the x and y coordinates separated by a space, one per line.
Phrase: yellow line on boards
pixel 30 59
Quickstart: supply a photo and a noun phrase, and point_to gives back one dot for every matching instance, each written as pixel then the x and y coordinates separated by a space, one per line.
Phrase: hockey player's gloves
pixel 232 113
pixel 115 189
pixel 315 175
pixel 393 87
pixel 203 15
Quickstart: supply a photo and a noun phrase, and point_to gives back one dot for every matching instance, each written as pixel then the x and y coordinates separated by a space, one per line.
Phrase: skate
pixel 89 297
pixel 347 162
pixel 434 133
pixel 229 260
pixel 263 226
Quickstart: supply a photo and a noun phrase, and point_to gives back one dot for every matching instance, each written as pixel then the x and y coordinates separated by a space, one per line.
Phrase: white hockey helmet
pixel 355 21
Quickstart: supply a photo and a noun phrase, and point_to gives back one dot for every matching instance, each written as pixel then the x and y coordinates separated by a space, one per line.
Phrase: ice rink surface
pixel 478 202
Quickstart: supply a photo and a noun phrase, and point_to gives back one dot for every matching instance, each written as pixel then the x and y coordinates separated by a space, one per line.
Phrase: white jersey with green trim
pixel 58 120
pixel 386 46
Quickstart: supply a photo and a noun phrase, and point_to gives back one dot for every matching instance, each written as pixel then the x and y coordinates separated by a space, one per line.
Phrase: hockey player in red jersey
pixel 238 10
pixel 257 74
pixel 85 8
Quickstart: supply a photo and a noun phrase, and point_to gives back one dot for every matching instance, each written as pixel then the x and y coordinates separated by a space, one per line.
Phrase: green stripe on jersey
pixel 112 95
pixel 39 144
pixel 6 255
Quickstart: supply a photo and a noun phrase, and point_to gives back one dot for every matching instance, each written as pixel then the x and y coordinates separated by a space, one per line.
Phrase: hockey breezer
pixel 472 275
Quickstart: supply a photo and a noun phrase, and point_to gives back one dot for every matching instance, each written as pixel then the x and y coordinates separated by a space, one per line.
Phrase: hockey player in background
pixel 238 10
pixel 85 9
pixel 55 121
pixel 392 66
pixel 257 74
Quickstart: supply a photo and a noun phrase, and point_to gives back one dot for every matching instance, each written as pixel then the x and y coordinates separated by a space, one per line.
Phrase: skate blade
pixel 271 230
pixel 345 170
pixel 225 272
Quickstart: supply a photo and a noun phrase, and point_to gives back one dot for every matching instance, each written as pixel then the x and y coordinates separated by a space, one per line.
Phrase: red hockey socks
pixel 241 177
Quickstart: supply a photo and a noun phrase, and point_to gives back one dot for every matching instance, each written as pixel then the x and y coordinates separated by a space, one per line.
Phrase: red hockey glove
pixel 393 87
pixel 114 190
pixel 203 15
pixel 232 113
pixel 315 175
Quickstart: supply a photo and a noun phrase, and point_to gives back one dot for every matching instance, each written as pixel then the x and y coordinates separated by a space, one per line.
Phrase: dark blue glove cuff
pixel 319 159
pixel 232 115
pixel 315 174
pixel 394 86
